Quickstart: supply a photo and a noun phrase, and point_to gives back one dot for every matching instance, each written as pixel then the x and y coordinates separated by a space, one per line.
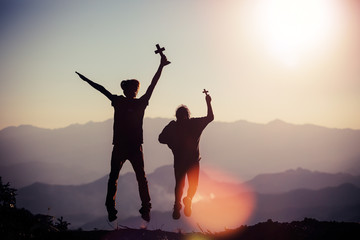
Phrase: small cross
pixel 205 91
pixel 159 49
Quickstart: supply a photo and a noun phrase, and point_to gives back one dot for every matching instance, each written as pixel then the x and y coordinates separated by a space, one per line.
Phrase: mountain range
pixel 83 205
pixel 292 172
pixel 79 154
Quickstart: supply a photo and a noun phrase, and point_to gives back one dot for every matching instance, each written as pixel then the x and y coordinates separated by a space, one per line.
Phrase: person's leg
pixel 117 162
pixel 136 159
pixel 179 188
pixel 193 179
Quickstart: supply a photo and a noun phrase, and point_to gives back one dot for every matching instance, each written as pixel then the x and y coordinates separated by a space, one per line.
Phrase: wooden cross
pixel 160 51
pixel 206 92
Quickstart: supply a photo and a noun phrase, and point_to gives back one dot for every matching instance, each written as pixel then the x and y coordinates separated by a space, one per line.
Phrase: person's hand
pixel 208 98
pixel 164 61
pixel 81 76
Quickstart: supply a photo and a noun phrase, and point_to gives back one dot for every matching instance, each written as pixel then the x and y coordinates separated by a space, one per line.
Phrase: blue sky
pixel 260 60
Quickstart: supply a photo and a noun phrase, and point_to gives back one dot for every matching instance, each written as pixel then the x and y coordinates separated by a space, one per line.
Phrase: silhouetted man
pixel 128 137
pixel 183 137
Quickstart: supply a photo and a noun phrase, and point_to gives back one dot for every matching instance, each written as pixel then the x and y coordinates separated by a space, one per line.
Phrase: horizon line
pixel 274 121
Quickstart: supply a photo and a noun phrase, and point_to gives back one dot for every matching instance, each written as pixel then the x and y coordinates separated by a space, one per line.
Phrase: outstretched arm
pixel 96 86
pixel 210 114
pixel 156 77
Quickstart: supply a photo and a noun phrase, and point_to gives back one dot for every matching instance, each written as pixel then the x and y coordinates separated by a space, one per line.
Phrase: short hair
pixel 182 112
pixel 130 85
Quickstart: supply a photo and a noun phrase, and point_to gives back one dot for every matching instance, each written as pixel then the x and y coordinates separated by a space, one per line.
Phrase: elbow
pixel 161 139
pixel 212 117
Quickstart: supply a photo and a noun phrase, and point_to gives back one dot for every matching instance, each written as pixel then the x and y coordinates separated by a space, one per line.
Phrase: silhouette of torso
pixel 128 120
pixel 183 139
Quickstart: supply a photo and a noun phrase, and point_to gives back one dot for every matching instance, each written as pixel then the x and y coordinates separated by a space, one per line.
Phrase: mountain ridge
pixel 271 122
pixel 302 178
pixel 83 204
pixel 81 153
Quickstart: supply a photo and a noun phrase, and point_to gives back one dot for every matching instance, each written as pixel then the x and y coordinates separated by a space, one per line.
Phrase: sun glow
pixel 217 207
pixel 293 29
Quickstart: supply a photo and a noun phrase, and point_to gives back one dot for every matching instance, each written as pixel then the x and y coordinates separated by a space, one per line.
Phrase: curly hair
pixel 182 112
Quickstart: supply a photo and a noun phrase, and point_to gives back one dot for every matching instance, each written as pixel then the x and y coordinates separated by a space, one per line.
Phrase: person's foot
pixel 145 213
pixel 176 213
pixel 111 213
pixel 187 204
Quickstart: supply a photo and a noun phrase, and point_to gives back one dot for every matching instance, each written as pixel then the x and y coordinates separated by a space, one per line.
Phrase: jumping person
pixel 182 137
pixel 128 137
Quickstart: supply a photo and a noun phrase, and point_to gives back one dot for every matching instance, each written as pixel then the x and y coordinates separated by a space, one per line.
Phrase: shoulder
pixel 117 98
pixel 196 119
pixel 200 121
pixel 143 99
pixel 205 119
pixel 171 124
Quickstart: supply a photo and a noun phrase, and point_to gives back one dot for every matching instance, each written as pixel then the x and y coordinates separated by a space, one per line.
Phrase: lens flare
pixel 197 237
pixel 218 206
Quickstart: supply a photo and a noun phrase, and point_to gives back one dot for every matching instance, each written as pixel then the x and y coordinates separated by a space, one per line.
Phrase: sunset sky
pixel 294 60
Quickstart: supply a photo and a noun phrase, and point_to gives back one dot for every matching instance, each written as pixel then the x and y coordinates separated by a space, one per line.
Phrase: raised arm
pixel 96 86
pixel 210 113
pixel 156 77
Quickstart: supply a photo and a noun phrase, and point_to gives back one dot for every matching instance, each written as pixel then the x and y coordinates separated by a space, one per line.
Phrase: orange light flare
pixel 220 205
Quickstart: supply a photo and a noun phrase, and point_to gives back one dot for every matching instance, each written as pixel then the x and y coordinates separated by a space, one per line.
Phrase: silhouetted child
pixel 183 137
pixel 128 137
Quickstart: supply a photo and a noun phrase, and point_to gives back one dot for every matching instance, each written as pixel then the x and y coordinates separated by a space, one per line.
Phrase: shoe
pixel 187 204
pixel 145 213
pixel 176 213
pixel 111 213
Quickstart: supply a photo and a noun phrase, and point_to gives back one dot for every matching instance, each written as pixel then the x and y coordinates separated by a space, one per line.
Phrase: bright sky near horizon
pixel 294 60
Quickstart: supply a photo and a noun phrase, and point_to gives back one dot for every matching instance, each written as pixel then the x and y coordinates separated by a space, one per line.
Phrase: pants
pixel 135 155
pixel 192 173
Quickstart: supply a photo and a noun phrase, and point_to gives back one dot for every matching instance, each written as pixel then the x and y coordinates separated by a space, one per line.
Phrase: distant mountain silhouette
pixel 83 205
pixel 249 149
pixel 331 204
pixel 81 153
pixel 340 203
pixel 81 202
pixel 299 178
